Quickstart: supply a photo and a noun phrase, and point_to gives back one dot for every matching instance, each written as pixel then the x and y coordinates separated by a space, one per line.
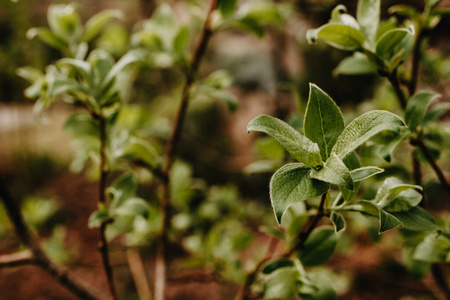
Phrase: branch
pixel 243 293
pixel 103 243
pixel 39 257
pixel 17 259
pixel 160 264
pixel 426 152
pixel 393 79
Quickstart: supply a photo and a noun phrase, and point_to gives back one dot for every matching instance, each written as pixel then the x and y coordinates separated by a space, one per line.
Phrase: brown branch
pixel 172 145
pixel 244 291
pixel 39 257
pixel 103 243
pixel 415 63
pixel 138 273
pixel 17 259
pixel 393 79
pixel 426 152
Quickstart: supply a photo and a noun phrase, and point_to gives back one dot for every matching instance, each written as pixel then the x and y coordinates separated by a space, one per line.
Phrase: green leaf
pixel 356 64
pixel 416 219
pixel 323 121
pixel 394 195
pixel 122 189
pixel 299 146
pixel 317 286
pixel 277 264
pixel 130 57
pixel 388 44
pixel 292 184
pixel 226 8
pixel 65 22
pixel 386 220
pixel 47 37
pixel 352 163
pixel 281 283
pixel 97 22
pixel 294 219
pixel 97 218
pixel 67 86
pixel 435 112
pixel 133 207
pixel 181 40
pixel 418 269
pixel 80 124
pixel 335 172
pixel 339 16
pixel 385 151
pixel 319 247
pixel 417 108
pixel 338 222
pixel 363 128
pixel 368 16
pixel 405 11
pixel 364 173
pixel 339 36
pixel 83 67
pixel 433 249
pixel 274 232
pixel 141 151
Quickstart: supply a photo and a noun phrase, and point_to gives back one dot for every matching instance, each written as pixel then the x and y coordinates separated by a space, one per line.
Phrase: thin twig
pixel 244 291
pixel 103 243
pixel 426 152
pixel 39 257
pixel 138 273
pixel 393 79
pixel 172 145
pixel 415 63
pixel 17 259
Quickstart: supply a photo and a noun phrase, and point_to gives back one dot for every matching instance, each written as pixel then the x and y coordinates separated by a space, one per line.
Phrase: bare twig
pixel 17 259
pixel 138 272
pixel 160 264
pixel 39 257
pixel 244 291
pixel 393 79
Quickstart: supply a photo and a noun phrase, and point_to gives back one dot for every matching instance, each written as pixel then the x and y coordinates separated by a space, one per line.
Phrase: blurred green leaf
pixel 388 44
pixel 97 22
pixel 417 107
pixel 433 249
pixel 281 283
pixel 65 22
pixel 226 8
pixel 47 37
pixel 276 264
pixel 140 150
pixel 356 64
pixel 393 195
pixel 319 247
pixel 97 218
pixel 133 207
pixel 291 184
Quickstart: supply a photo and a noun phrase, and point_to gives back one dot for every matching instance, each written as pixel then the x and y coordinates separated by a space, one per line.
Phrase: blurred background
pixel 270 75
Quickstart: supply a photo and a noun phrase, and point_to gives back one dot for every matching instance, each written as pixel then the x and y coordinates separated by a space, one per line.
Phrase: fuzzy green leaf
pixel 226 8
pixel 364 173
pixel 319 247
pixel 368 16
pixel 323 121
pixel 363 128
pixel 417 108
pixel 97 218
pixel 133 207
pixel 299 146
pixel 394 195
pixel 335 172
pixel 292 184
pixel 339 36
